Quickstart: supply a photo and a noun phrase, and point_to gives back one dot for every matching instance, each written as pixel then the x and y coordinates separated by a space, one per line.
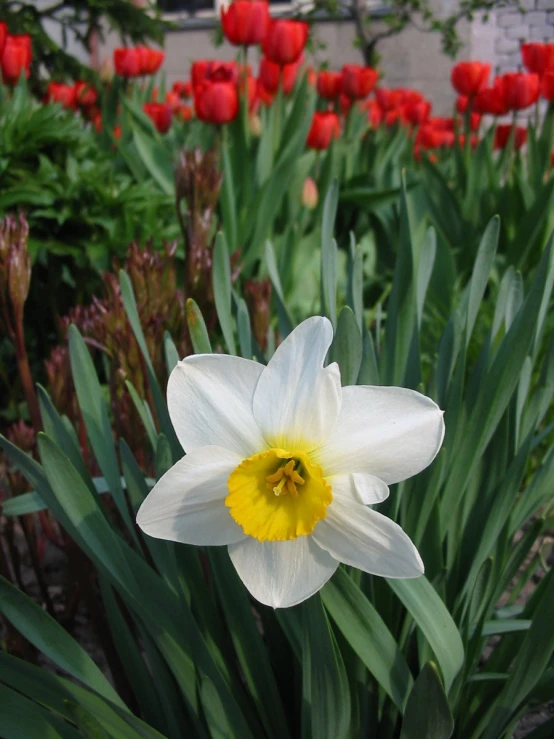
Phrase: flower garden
pixel 277 360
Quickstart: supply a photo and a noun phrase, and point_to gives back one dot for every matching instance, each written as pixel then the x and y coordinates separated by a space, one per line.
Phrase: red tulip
pixel 547 85
pixel 263 96
pixel 85 94
pixel 160 114
pixel 213 71
pixel 245 22
pixel 150 60
pixel 468 78
pixel 502 136
pixel 345 103
pixel 285 41
pixel 16 58
pixel 538 58
pixel 441 124
pixel 127 62
pixel 394 115
pixel 389 99
pixel 417 112
pixel 374 113
pixel 183 89
pixel 491 100
pixel 411 97
pixel 183 112
pixel 3 36
pixel 216 102
pixel 59 93
pixel 271 74
pixel 358 82
pixel 97 121
pixel 329 84
pixel 429 137
pixel 325 127
pixel 462 101
pixel 520 90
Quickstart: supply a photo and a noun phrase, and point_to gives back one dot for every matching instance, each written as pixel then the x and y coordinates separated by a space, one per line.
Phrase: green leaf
pixel 244 330
pixel 425 270
pixel 251 650
pixel 143 409
pixel 326 695
pixel 62 695
pixel 171 353
pixel 431 615
pixel 356 282
pixel 531 660
pixel 228 197
pixel 428 714
pixel 347 348
pixel 131 659
pixel 21 717
pixel 285 321
pixel 51 639
pixel 54 427
pixel 197 327
pixel 366 632
pixel 369 370
pixel 329 254
pixel 401 308
pixel 128 297
pixel 221 281
pixel 151 149
pixel 481 271
pixel 95 415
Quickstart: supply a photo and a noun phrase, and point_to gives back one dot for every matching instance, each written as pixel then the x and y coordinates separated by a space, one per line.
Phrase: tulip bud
pixel 15 269
pixel 310 195
pixel 255 125
pixel 106 73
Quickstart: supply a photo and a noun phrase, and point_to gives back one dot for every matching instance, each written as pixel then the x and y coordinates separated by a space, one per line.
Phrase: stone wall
pixel 508 29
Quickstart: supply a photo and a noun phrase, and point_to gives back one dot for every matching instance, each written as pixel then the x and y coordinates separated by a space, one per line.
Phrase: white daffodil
pixel 282 464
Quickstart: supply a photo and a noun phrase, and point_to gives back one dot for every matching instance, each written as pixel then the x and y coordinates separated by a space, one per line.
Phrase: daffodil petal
pixel 389 432
pixel 282 573
pixel 360 488
pixel 297 400
pixel 187 504
pixel 363 538
pixel 209 397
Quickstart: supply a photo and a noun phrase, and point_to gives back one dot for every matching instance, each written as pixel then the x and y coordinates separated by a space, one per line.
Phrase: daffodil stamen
pixel 287 478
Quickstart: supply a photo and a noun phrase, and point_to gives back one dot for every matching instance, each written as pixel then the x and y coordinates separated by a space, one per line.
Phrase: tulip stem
pixel 279 102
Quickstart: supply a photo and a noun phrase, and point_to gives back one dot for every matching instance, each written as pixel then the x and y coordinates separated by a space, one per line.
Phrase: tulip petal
pixel 297 401
pixel 359 488
pixel 363 538
pixel 209 397
pixel 389 432
pixel 187 504
pixel 281 574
